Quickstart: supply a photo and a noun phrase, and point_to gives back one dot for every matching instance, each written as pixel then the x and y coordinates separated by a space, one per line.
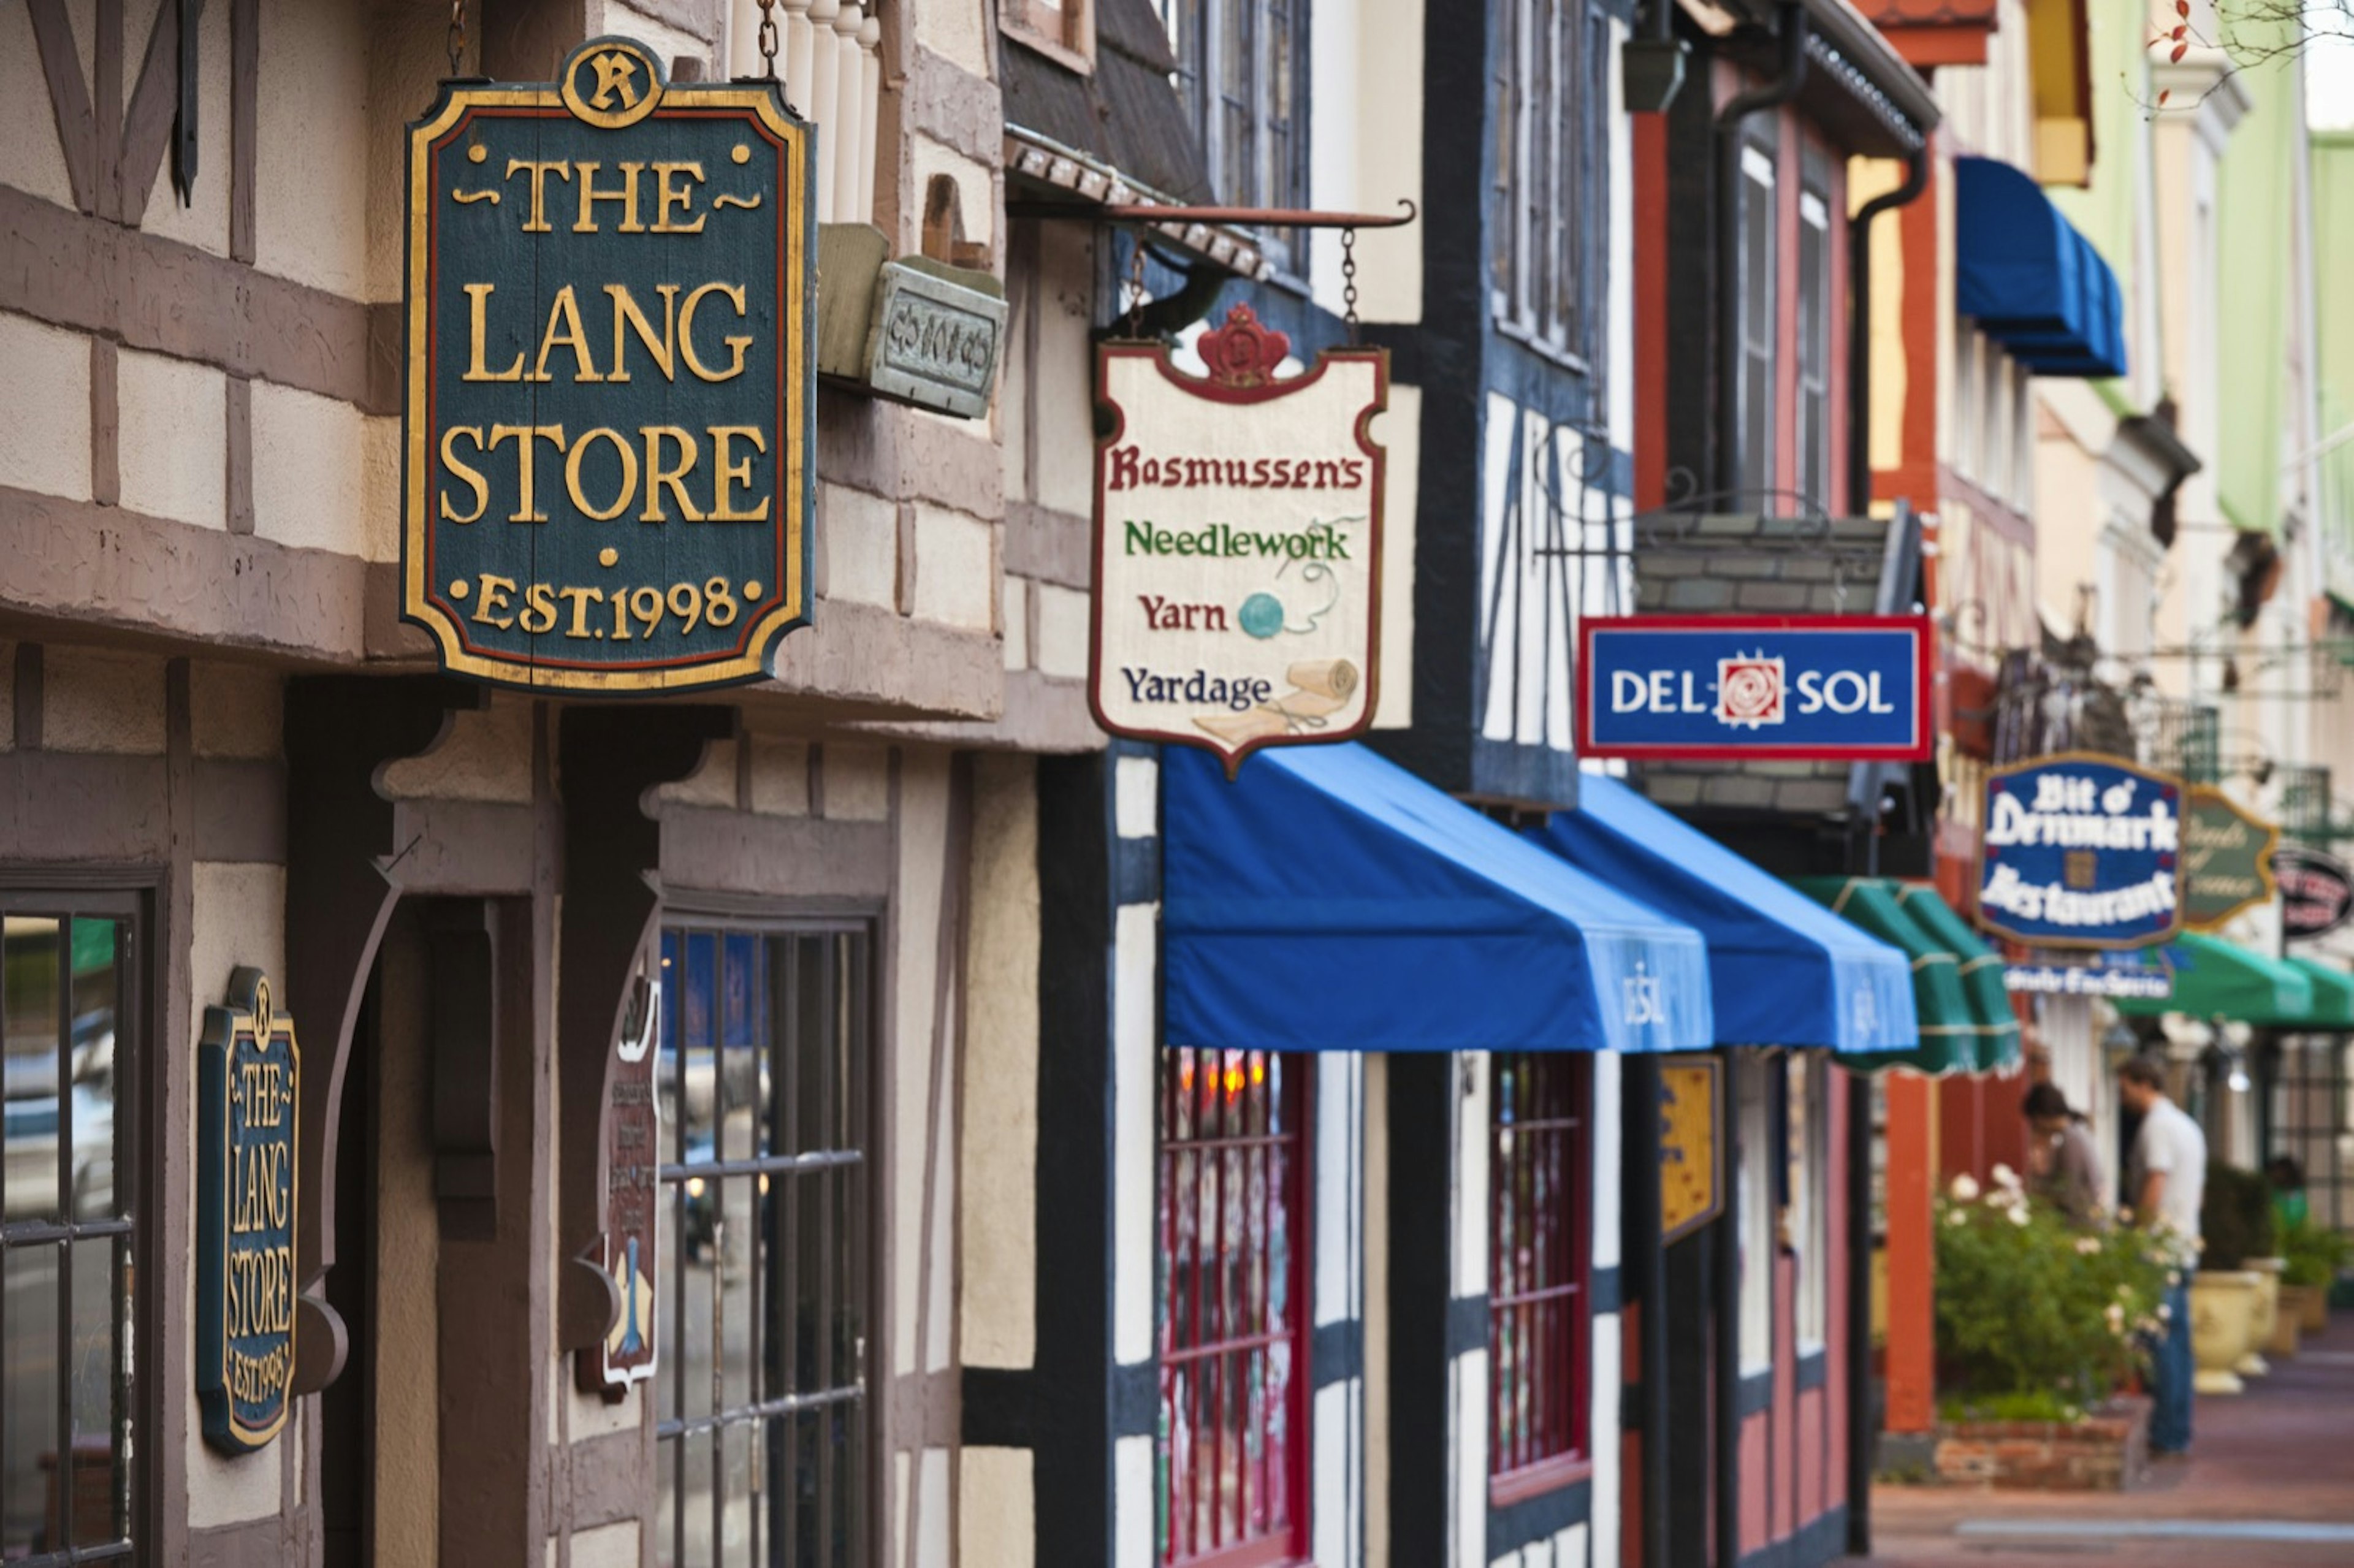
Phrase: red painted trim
pixel 1922 748
pixel 1242 396
pixel 1651 291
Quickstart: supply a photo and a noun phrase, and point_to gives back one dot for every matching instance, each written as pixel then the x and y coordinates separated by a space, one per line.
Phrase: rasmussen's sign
pixel 249 1096
pixel 2081 851
pixel 1238 543
pixel 1757 688
pixel 612 376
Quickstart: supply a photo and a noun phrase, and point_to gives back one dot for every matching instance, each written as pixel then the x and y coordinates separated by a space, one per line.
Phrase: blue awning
pixel 1786 971
pixel 1329 900
pixel 2029 280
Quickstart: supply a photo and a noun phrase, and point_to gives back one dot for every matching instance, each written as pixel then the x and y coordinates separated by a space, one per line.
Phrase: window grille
pixel 1539 1307
pixel 762 1432
pixel 1234 1317
pixel 69 1048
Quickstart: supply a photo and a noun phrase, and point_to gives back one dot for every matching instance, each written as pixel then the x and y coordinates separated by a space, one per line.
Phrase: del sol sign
pixel 611 377
pixel 1238 535
pixel 249 1090
pixel 1825 688
pixel 2081 851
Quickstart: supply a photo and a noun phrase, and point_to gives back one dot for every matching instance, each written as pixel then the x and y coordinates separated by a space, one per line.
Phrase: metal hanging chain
pixel 457 35
pixel 768 37
pixel 1349 283
pixel 1136 287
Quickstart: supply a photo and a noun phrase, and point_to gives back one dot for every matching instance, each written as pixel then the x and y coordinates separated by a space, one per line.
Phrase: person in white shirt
pixel 2166 1180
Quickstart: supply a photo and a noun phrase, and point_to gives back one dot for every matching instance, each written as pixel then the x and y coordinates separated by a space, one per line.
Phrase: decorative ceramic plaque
pixel 1238 543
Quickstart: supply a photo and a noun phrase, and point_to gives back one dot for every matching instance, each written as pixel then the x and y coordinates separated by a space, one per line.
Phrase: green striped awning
pixel 1949 1027
pixel 1998 1042
pixel 2333 996
pixel 2216 978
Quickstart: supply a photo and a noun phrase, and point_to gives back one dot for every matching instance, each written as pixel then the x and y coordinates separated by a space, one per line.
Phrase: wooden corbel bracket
pixel 342 881
pixel 610 759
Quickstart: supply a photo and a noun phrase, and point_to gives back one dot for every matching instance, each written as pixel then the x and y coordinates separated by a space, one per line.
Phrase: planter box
pixel 2107 1451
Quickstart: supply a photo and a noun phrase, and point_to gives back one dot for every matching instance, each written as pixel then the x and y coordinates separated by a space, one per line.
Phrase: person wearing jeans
pixel 2166 1176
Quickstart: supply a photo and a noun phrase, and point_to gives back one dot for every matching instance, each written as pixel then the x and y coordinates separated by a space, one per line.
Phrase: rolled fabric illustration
pixel 1335 678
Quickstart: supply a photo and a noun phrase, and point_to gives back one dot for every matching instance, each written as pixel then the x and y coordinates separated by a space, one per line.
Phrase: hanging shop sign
pixel 2227 858
pixel 1692 1175
pixel 2316 891
pixel 610 408
pixel 2135 974
pixel 2081 851
pixel 249 1087
pixel 1238 543
pixel 1813 688
pixel 632 1209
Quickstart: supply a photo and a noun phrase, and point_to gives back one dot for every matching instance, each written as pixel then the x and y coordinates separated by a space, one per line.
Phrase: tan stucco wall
pixel 997 1241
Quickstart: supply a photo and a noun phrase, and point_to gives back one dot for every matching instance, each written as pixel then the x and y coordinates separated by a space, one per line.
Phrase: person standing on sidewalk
pixel 2063 1164
pixel 2166 1176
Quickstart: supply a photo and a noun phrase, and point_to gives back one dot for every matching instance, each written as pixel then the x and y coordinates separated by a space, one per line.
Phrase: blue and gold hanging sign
pixel 248 1087
pixel 609 411
pixel 2081 851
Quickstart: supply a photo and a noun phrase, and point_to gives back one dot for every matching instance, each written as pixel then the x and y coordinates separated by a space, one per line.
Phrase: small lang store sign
pixel 2081 851
pixel 612 372
pixel 1238 543
pixel 1830 688
pixel 249 1095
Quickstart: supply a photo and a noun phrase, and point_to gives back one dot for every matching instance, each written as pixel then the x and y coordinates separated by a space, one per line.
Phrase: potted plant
pixel 2235 1222
pixel 2314 1254
pixel 2039 1326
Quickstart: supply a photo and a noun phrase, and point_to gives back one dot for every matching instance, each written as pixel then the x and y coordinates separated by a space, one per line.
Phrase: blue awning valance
pixel 2029 280
pixel 1329 900
pixel 1786 971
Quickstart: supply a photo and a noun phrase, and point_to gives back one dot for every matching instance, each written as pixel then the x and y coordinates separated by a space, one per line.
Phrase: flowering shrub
pixel 2028 1306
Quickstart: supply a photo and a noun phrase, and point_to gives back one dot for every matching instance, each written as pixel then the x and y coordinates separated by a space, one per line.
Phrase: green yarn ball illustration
pixel 1261 614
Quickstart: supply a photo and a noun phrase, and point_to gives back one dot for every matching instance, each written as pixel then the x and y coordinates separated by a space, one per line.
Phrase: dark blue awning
pixel 1329 900
pixel 2029 280
pixel 1786 971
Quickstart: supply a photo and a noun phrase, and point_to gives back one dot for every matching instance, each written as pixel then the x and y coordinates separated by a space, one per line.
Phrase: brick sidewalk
pixel 2282 1452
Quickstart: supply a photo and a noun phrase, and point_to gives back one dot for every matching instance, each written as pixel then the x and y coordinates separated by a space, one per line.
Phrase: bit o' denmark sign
pixel 1238 532
pixel 2081 851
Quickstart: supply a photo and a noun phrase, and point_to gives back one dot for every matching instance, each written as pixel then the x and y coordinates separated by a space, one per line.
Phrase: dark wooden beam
pixel 609 758
pixel 342 882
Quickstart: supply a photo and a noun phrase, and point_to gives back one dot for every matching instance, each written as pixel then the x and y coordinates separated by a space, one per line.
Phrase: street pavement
pixel 2270 1480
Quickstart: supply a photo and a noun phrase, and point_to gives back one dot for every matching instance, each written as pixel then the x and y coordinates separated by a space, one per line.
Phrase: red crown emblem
pixel 1243 353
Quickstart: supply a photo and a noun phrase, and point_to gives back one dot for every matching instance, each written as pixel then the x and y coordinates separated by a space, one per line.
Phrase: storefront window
pixel 1234 1319
pixel 67 1238
pixel 762 1450
pixel 1538 1309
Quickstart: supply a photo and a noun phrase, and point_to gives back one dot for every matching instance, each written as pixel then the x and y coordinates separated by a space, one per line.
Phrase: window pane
pixel 1232 1176
pixel 96 1002
pixel 1537 1302
pixel 29 971
pixel 29 1274
pixel 101 1391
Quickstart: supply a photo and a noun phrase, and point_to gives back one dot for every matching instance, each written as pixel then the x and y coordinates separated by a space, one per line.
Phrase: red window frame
pixel 1540 1304
pixel 1236 1157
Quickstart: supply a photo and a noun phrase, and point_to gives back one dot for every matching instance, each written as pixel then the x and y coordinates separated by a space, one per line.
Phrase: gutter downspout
pixel 1793 28
pixel 1859 330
